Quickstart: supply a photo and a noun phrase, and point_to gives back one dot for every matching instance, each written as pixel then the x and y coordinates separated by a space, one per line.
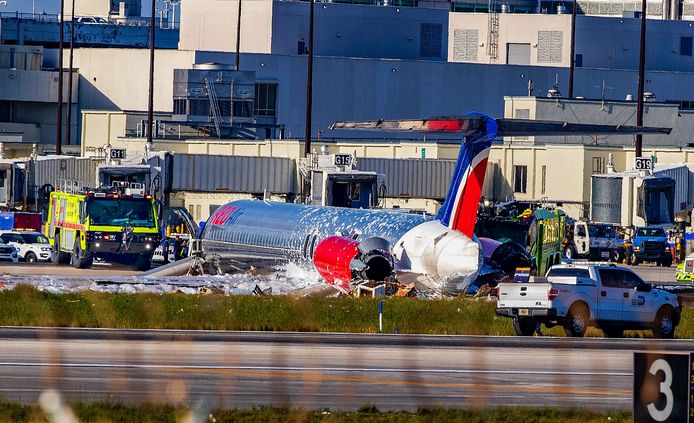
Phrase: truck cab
pixel 650 244
pixel 593 241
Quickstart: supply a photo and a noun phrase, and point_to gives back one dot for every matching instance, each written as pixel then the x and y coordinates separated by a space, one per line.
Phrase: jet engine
pixel 341 260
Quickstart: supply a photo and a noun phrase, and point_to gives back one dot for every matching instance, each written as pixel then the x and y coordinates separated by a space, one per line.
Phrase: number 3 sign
pixel 662 384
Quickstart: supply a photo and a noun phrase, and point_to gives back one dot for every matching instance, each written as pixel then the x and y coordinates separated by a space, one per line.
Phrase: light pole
pixel 572 64
pixel 642 71
pixel 150 105
pixel 238 35
pixel 68 131
pixel 309 83
pixel 59 129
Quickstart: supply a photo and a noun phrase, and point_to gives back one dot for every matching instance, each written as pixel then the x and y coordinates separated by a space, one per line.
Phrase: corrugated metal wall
pixel 420 178
pixel 82 169
pixel 606 199
pixel 233 174
pixel 681 176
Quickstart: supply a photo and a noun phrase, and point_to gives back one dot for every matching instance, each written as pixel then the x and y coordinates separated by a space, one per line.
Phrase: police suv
pixel 577 296
pixel 30 246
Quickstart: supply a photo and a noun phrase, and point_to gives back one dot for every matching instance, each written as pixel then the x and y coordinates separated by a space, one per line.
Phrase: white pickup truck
pixel 580 295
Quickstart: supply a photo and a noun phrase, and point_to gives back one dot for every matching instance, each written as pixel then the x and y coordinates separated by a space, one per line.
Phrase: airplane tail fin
pixel 459 210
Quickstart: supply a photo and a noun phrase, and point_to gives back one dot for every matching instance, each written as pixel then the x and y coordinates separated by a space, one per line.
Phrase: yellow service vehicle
pixel 114 224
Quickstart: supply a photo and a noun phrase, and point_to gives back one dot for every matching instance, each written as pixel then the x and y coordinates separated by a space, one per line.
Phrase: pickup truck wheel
pixel 524 327
pixel 612 332
pixel 664 324
pixel 576 321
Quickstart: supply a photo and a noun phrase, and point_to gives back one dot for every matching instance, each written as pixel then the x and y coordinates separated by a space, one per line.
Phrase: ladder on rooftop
pixel 214 105
pixel 493 33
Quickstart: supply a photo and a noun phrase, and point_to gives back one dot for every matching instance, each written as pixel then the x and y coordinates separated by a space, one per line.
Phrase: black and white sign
pixel 343 159
pixel 117 154
pixel 661 387
pixel 643 163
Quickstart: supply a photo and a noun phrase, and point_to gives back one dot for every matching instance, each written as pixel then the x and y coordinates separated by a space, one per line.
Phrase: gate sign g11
pixel 117 153
pixel 663 388
pixel 643 163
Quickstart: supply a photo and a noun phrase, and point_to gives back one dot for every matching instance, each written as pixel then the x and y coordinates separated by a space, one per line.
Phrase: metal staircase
pixel 214 105
pixel 493 33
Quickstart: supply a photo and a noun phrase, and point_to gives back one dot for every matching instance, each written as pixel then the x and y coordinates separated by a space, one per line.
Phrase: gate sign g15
pixel 663 388
pixel 643 163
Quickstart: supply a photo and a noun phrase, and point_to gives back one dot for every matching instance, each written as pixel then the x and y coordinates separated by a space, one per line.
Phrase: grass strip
pixel 27 306
pixel 106 412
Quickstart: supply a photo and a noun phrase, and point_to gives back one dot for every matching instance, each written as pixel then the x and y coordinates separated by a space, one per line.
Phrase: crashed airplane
pixel 349 246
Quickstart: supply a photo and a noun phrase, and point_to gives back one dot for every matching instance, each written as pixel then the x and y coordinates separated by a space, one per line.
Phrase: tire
pixel 80 259
pixel 143 262
pixel 57 256
pixel 666 262
pixel 613 332
pixel 570 252
pixel 524 327
pixel 633 260
pixel 615 256
pixel 30 257
pixel 664 324
pixel 577 320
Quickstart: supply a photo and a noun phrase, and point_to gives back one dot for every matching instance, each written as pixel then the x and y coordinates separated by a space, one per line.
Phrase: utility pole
pixel 309 83
pixel 642 71
pixel 238 35
pixel 150 105
pixel 59 128
pixel 68 131
pixel 572 63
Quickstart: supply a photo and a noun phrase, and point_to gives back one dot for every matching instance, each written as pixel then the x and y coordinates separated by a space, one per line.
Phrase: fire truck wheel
pixel 57 256
pixel 143 262
pixel 80 259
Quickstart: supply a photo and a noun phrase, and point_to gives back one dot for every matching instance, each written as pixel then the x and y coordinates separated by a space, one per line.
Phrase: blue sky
pixel 50 6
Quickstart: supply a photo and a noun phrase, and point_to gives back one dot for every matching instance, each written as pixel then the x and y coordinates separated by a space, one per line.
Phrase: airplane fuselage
pixel 251 232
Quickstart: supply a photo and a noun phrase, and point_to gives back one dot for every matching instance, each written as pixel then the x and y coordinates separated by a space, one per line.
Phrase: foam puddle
pixel 283 280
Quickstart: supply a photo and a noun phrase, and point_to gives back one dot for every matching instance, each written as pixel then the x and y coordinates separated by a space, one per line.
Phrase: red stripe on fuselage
pixel 466 215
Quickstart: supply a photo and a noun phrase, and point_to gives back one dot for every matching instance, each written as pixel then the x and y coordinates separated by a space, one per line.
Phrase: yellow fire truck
pixel 115 224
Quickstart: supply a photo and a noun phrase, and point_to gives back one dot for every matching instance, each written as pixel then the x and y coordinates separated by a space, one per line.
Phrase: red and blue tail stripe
pixel 459 210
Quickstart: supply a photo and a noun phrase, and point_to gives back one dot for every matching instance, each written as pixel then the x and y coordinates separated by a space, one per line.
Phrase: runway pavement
pixel 337 371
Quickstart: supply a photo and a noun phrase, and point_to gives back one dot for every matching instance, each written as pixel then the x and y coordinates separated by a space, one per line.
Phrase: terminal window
pixel 265 99
pixel 598 165
pixel 685 46
pixel 520 179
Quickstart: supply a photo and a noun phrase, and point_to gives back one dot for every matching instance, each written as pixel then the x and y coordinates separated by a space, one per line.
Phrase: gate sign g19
pixel 117 153
pixel 643 163
pixel 663 387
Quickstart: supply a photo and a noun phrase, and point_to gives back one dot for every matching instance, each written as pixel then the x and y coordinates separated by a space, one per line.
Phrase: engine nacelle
pixel 341 260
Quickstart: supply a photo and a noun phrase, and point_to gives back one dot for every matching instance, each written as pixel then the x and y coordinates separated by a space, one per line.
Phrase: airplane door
pixel 610 295
pixel 581 240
